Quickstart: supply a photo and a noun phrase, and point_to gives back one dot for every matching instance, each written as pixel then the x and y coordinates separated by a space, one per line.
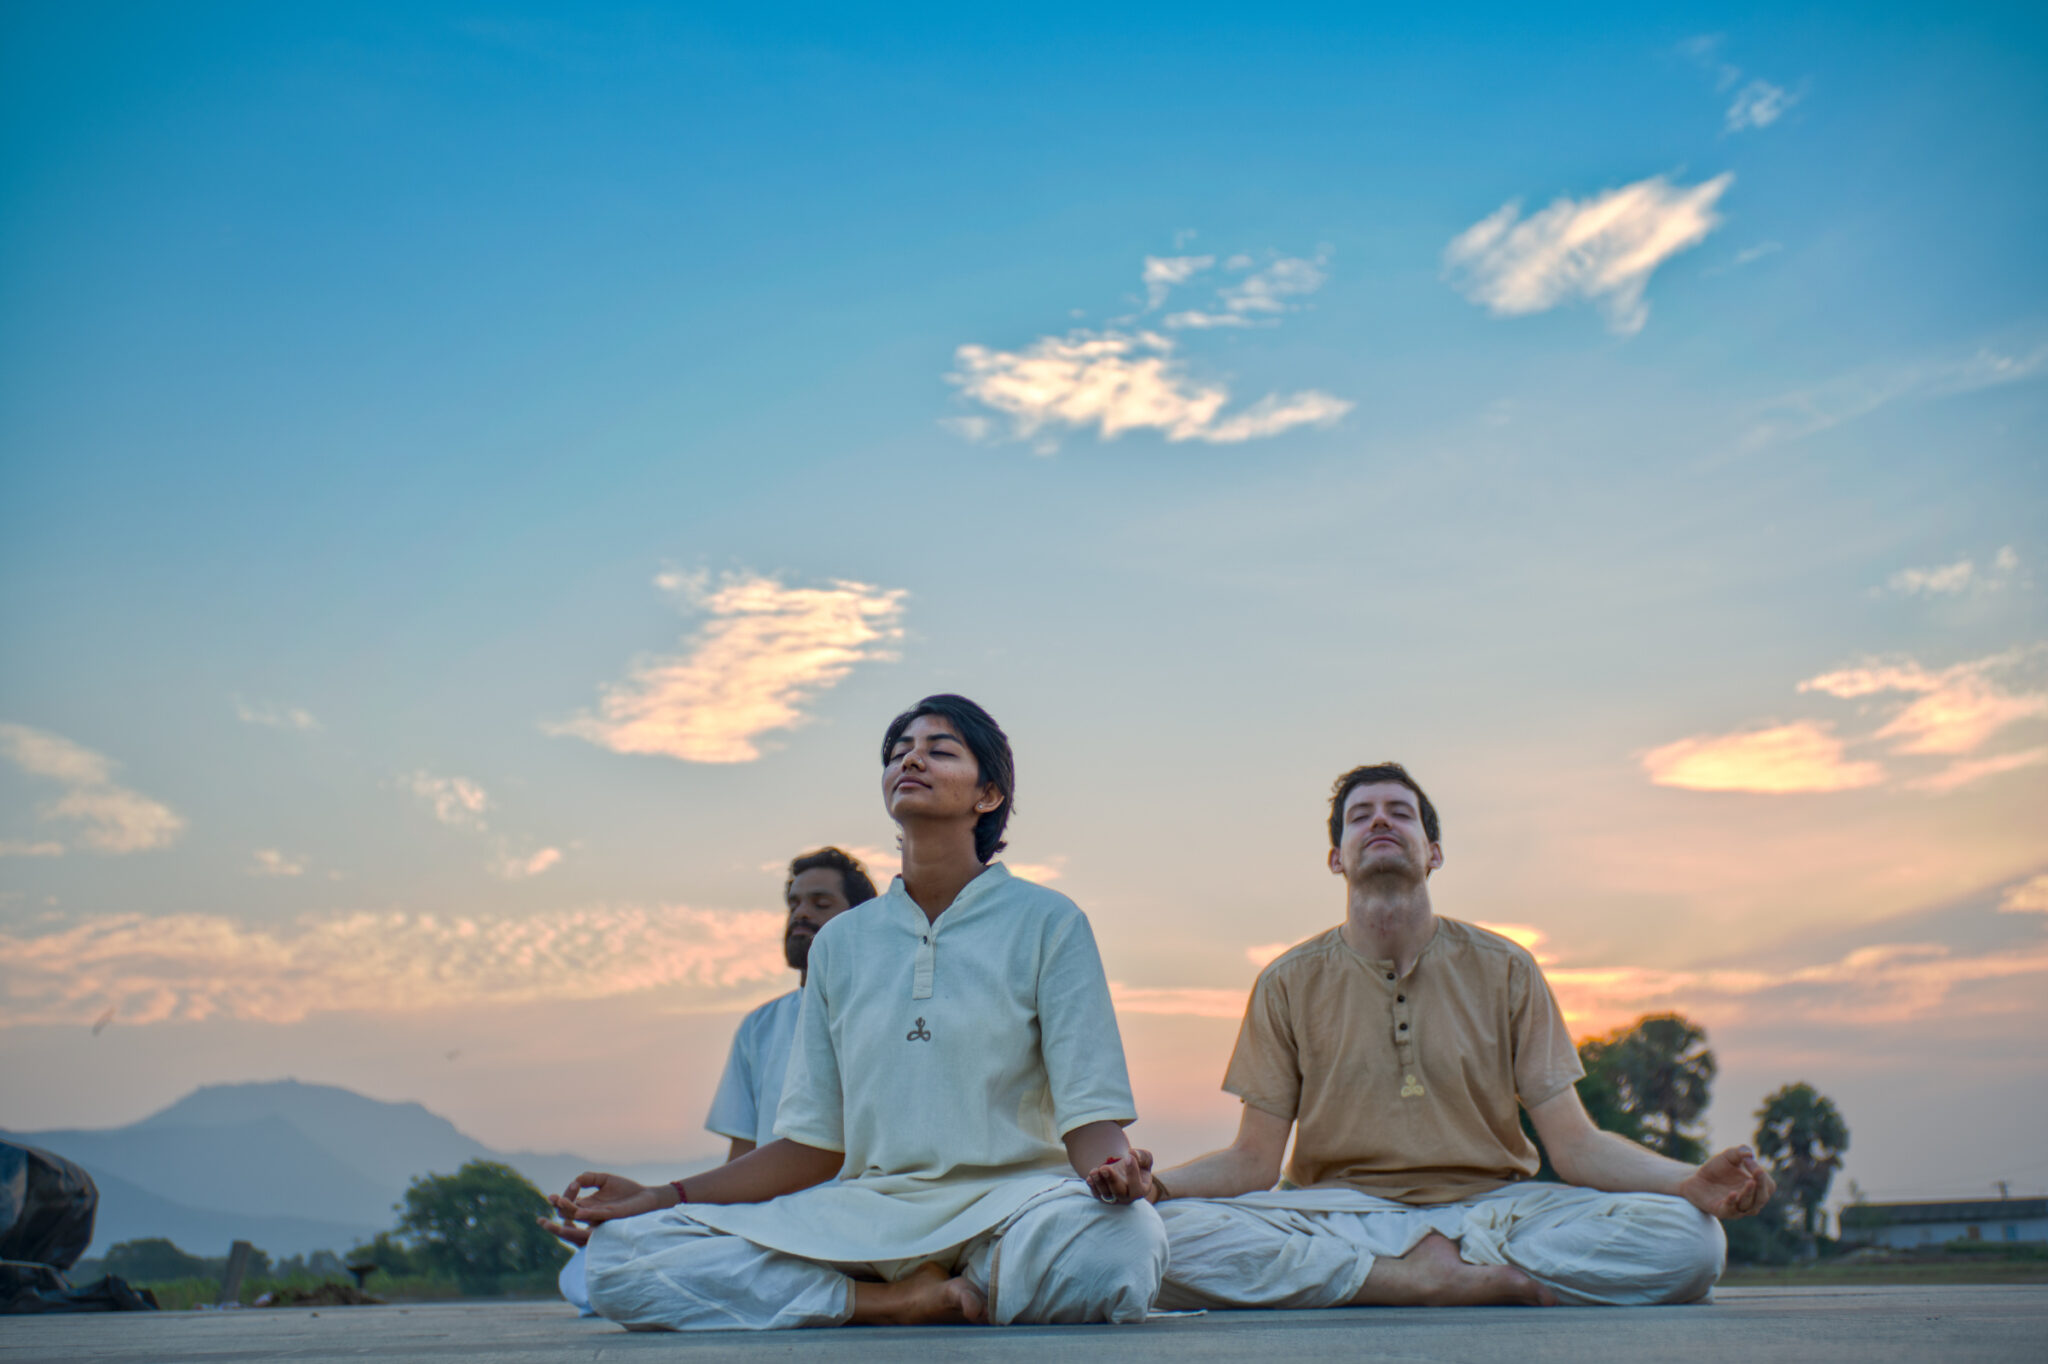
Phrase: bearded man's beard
pixel 796 950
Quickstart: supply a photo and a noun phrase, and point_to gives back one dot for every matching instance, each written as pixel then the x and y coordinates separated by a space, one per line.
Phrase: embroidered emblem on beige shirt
pixel 1411 1088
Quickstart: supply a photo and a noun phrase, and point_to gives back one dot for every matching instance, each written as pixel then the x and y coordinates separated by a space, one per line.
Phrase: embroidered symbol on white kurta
pixel 920 1033
pixel 1411 1088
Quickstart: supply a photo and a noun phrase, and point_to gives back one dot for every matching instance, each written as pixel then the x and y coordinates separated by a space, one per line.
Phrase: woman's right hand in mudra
pixel 594 1197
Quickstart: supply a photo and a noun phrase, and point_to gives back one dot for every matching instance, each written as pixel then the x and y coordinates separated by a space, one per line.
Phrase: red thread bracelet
pixel 682 1194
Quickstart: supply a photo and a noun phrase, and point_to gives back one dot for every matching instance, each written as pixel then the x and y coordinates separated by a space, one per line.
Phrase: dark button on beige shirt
pixel 1405 1087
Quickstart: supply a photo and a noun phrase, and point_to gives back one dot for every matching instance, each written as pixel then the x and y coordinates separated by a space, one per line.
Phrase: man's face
pixel 814 897
pixel 1383 836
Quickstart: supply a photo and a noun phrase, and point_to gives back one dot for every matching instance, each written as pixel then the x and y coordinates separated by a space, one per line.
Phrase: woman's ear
pixel 991 799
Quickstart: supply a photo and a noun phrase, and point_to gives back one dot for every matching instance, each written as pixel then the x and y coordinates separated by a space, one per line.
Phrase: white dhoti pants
pixel 1063 1257
pixel 1314 1248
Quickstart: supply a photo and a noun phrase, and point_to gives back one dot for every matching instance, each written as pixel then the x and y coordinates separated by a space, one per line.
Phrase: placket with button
pixel 921 978
pixel 1402 1016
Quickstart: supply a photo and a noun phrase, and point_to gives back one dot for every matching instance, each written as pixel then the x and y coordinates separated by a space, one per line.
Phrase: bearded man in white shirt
pixel 821 886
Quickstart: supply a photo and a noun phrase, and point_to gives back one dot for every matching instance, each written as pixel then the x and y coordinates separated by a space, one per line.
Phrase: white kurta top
pixel 946 1060
pixel 751 1087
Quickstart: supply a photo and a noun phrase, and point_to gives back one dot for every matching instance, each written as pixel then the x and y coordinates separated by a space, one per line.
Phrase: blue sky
pixel 432 374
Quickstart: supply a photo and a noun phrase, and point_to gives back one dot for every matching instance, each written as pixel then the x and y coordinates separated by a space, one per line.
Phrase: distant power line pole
pixel 2001 1186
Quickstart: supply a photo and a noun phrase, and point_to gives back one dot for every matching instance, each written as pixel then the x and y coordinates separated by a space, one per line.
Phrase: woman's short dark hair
pixel 991 749
pixel 852 875
pixel 1373 775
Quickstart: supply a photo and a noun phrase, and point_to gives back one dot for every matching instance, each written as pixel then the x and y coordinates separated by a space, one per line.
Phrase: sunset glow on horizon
pixel 475 489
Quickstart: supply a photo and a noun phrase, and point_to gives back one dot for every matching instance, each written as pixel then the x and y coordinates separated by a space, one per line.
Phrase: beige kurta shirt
pixel 1405 1086
pixel 946 1060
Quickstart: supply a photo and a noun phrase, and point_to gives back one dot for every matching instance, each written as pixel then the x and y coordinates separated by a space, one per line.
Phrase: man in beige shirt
pixel 1398 1047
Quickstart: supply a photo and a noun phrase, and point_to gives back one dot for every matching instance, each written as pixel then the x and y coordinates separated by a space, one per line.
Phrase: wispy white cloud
pixel 272 716
pixel 1963 771
pixel 1956 578
pixel 1602 249
pixel 1269 290
pixel 1758 104
pixel 1921 712
pixel 764 652
pixel 1163 273
pixel 1260 297
pixel 1781 759
pixel 23 848
pixel 1820 407
pixel 272 862
pixel 1124 378
pixel 456 801
pixel 2028 897
pixel 1264 954
pixel 1196 320
pixel 525 867
pixel 114 819
pixel 1049 870
pixel 1880 984
pixel 1112 382
pixel 1948 578
pixel 1954 710
pixel 1187 1001
pixel 187 967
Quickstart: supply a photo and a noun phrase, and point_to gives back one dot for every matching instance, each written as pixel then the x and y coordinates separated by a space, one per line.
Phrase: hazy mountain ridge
pixel 292 1167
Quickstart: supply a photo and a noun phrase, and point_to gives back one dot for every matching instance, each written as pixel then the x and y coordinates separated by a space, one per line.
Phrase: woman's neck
pixel 937 865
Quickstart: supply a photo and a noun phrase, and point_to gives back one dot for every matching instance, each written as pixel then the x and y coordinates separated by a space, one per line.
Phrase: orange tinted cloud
pixel 1883 983
pixel 765 651
pixel 1802 756
pixel 1951 713
pixel 194 966
pixel 1185 1001
pixel 1956 709
pixel 2028 897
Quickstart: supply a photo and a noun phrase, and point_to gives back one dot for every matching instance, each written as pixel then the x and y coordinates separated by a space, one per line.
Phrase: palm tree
pixel 1800 1131
pixel 1659 1072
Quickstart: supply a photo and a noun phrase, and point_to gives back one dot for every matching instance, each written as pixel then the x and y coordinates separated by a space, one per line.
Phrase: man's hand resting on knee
pixel 1732 1184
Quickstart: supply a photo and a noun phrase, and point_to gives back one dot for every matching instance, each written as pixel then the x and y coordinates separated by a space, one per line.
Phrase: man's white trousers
pixel 1314 1248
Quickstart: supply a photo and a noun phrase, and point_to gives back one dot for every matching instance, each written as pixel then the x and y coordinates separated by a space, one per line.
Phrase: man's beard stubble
pixel 796 950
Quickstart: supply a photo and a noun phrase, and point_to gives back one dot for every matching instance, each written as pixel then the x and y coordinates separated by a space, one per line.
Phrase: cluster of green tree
pixel 1651 1082
pixel 156 1260
pixel 180 1279
pixel 472 1232
pixel 475 1228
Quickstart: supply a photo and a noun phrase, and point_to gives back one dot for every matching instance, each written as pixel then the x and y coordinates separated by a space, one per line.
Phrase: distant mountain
pixel 387 1142
pixel 291 1167
pixel 257 1168
pixel 129 1213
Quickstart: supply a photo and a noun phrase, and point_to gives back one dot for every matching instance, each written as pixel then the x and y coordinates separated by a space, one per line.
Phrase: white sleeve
pixel 813 1107
pixel 1084 1053
pixel 732 1107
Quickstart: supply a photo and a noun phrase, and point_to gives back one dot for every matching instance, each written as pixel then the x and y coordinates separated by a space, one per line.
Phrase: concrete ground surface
pixel 1863 1325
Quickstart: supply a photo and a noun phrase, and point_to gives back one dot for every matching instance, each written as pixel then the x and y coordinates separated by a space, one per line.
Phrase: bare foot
pixel 924 1297
pixel 1433 1275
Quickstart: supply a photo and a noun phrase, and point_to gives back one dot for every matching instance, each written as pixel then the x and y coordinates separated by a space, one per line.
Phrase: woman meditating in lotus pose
pixel 958 1056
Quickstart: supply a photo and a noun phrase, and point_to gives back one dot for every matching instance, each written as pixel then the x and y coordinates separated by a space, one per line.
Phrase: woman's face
pixel 932 774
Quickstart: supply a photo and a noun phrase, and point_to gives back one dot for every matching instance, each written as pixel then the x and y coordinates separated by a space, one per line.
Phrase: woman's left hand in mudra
pixel 592 1198
pixel 1123 1179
